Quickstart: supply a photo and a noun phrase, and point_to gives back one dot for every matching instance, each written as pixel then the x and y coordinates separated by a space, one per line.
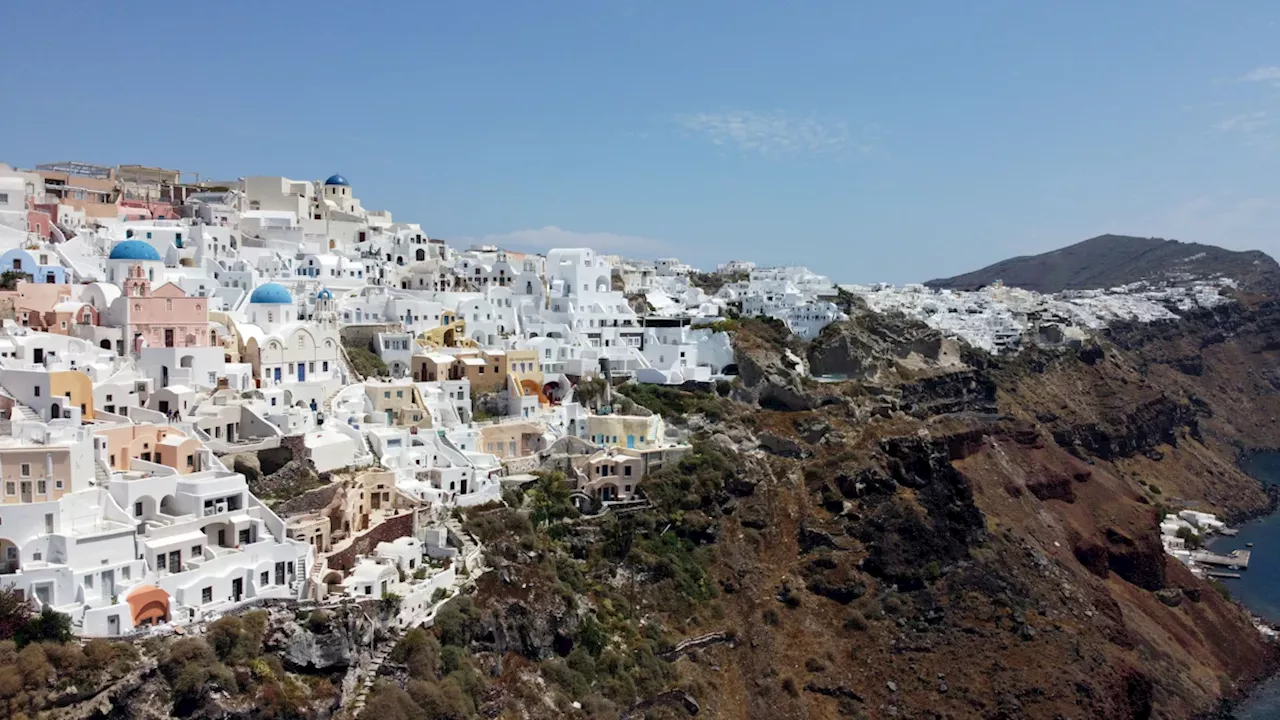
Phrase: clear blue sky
pixel 869 140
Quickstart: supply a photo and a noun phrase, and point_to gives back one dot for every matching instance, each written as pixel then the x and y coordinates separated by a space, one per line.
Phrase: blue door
pixel 277 374
pixel 631 441
pixel 302 371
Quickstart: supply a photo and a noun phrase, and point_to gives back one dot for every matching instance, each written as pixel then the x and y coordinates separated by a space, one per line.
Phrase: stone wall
pixel 309 502
pixel 362 335
pixel 397 527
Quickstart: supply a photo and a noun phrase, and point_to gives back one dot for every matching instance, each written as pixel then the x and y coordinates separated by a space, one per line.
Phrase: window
pixel 37 391
pixel 626 470
pixel 125 573
pixel 302 342
pixel 88 580
pixel 206 595
pixel 399 393
pixel 10 489
pixel 42 487
pixel 264 578
pixel 4 198
pixel 197 551
pixel 160 561
pixel 386 395
pixel 26 470
pixel 57 484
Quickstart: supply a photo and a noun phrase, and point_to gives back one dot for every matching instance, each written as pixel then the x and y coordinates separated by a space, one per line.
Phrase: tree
pixel 1191 537
pixel 550 498
pixel 590 391
pixel 49 626
pixel 15 611
pixel 9 279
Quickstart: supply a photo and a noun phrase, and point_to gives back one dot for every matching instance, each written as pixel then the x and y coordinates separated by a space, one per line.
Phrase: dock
pixel 1228 532
pixel 1224 575
pixel 1236 559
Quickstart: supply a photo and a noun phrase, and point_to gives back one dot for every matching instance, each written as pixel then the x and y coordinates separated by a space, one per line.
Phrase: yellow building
pixel 629 431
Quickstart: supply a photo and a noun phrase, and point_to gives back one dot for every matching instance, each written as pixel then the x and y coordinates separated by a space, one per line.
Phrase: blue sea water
pixel 1259 586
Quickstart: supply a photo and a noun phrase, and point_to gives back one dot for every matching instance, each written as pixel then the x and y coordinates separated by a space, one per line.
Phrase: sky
pixel 872 141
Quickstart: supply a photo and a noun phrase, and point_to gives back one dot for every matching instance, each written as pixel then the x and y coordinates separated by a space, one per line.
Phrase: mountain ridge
pixel 1111 260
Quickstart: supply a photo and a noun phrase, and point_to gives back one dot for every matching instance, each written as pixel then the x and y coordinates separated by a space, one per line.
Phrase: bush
pixel 420 573
pixel 456 621
pixel 390 603
pixel 193 671
pixel 49 626
pixel 318 622
pixel 238 639
pixel 365 362
pixel 1191 537
pixel 439 594
pixel 420 652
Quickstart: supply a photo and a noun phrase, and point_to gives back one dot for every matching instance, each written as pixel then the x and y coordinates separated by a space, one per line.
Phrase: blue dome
pixel 324 295
pixel 134 250
pixel 336 180
pixel 271 294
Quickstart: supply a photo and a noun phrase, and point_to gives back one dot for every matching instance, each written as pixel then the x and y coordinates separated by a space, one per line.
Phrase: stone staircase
pixel 317 570
pixel 23 412
pixel 100 474
pixel 370 671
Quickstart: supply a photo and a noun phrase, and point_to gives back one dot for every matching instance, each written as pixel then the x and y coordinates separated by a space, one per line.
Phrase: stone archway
pixel 10 557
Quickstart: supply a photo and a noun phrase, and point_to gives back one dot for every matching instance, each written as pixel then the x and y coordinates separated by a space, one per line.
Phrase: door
pixel 108 584
pixel 175 561
pixel 164 406
pixel 302 371
pixel 113 625
pixel 37 356
pixel 168 337
pixel 237 589
pixel 277 374
pixel 222 538
pixel 631 441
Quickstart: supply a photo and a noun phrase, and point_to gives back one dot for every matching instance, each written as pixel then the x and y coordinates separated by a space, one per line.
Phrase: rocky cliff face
pixel 982 540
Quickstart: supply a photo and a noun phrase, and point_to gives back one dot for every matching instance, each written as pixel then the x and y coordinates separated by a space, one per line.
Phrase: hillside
pixel 1110 260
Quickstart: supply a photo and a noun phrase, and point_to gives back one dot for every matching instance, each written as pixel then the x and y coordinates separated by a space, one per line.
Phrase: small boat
pixel 1248 544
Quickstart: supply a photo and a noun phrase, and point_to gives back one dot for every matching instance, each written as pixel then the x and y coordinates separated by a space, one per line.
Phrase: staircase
pixel 370 672
pixel 317 569
pixel 100 473
pixel 23 412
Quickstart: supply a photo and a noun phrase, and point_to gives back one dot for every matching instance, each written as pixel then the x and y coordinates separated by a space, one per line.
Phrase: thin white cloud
pixel 553 237
pixel 775 132
pixel 1245 122
pixel 1268 74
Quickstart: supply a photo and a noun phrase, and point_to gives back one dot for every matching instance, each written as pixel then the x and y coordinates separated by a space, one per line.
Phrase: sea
pixel 1259 587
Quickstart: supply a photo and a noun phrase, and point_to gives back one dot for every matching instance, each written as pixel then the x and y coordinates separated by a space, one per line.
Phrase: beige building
pixel 398 403
pixel 512 440
pixel 625 431
pixel 34 473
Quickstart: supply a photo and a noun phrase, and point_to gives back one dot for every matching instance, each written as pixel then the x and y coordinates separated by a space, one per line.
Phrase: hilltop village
pixel 214 393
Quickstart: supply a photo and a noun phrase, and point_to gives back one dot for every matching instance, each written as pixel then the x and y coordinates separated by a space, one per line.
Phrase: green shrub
pixel 456 621
pixel 318 622
pixel 365 362
pixel 420 652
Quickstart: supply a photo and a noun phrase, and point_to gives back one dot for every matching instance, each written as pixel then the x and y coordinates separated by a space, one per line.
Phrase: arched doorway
pixel 55 411
pixel 187 361
pixel 421 255
pixel 10 562
pixel 105 344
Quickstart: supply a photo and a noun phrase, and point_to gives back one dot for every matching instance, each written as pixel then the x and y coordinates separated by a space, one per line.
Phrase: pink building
pixel 166 317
